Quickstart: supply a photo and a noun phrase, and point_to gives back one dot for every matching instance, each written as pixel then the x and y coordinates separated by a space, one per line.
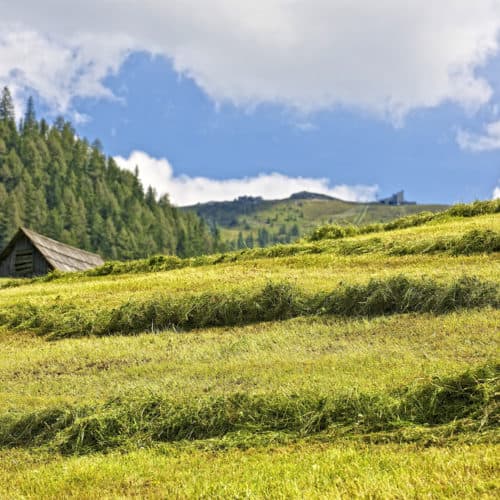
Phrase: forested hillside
pixel 58 184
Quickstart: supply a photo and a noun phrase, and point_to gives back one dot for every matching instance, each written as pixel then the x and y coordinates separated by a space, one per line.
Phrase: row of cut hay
pixel 472 242
pixel 275 301
pixel 151 418
pixel 475 241
pixel 335 231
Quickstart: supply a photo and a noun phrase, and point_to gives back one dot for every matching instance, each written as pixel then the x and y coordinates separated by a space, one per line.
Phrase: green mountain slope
pixel 264 222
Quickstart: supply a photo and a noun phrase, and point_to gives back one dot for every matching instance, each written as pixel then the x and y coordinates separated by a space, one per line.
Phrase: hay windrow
pixel 154 418
pixel 275 301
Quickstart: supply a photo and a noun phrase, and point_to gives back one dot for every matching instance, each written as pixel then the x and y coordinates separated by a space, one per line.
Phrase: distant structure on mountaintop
pixel 396 199
pixel 30 254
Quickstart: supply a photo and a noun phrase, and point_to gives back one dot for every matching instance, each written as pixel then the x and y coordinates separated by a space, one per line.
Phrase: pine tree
pixel 182 247
pixel 7 112
pixel 3 216
pixel 218 244
pixel 263 237
pixel 241 242
pixel 13 214
pixel 150 198
pixel 30 124
pixel 249 241
pixel 11 170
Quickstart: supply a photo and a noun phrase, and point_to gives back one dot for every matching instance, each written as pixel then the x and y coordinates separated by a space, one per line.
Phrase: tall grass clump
pixel 400 294
pixel 275 301
pixel 472 242
pixel 35 428
pixel 149 418
pixel 472 394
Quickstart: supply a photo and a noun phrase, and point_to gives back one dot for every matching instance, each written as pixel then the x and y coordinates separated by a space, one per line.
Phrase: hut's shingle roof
pixel 61 256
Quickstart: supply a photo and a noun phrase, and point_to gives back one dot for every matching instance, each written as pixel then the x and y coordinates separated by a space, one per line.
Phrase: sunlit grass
pixel 307 356
pixel 310 273
pixel 284 357
pixel 299 470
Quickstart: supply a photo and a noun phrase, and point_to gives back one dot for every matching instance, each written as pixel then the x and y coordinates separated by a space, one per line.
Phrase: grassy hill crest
pixel 248 222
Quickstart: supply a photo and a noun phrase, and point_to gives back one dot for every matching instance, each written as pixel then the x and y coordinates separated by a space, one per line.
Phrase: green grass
pixel 301 470
pixel 363 366
pixel 293 356
pixel 447 235
pixel 462 210
pixel 467 399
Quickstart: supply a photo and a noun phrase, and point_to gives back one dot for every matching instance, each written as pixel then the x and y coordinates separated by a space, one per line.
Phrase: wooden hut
pixel 31 254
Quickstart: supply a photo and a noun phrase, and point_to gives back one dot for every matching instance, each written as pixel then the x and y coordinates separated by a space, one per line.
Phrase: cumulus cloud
pixel 57 69
pixel 496 193
pixel 385 57
pixel 184 190
pixel 487 141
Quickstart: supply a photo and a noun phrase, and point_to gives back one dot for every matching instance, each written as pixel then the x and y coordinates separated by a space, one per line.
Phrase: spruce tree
pixel 241 242
pixel 7 112
pixel 29 123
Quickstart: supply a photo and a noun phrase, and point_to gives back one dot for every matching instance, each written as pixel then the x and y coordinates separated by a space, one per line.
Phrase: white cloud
pixel 386 57
pixel 496 193
pixel 58 70
pixel 488 141
pixel 184 190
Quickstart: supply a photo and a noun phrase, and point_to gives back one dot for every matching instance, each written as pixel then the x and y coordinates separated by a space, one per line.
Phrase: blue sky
pixel 210 114
pixel 169 116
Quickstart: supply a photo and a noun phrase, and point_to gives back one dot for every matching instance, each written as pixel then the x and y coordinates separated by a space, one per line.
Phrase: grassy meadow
pixel 360 366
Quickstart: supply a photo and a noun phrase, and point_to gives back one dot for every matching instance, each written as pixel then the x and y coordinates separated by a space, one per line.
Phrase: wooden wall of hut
pixel 23 260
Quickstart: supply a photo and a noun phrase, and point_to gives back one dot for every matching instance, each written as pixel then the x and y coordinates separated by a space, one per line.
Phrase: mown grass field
pixel 333 372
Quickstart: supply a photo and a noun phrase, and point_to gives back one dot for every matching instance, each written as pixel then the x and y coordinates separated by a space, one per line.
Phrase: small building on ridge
pixel 31 254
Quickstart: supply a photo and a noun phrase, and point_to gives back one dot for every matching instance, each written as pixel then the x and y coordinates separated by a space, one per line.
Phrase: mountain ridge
pixel 249 221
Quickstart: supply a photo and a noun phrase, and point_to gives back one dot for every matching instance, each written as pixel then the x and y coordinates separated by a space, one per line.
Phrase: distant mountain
pixel 252 221
pixel 306 195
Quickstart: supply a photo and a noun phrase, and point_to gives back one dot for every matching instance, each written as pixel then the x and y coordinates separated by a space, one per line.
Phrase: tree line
pixel 265 238
pixel 60 185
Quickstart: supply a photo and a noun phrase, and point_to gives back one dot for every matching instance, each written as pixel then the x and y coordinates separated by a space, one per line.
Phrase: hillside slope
pixel 266 222
pixel 352 366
